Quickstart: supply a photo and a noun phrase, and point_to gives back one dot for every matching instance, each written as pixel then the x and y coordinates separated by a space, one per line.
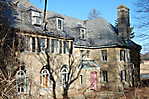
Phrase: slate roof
pixel 99 34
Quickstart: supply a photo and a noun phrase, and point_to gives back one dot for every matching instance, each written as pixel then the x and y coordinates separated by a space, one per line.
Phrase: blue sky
pixel 80 9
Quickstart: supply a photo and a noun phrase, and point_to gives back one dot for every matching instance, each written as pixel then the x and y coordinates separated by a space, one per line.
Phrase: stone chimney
pixel 123 22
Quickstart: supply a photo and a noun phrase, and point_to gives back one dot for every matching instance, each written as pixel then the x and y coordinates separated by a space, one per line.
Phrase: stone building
pixel 105 55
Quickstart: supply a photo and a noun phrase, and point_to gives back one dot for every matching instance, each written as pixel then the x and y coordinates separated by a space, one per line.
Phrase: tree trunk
pixel 54 91
pixel 65 94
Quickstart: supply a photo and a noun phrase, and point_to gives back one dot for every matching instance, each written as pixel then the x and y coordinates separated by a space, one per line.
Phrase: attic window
pixel 36 18
pixel 60 23
pixel 82 33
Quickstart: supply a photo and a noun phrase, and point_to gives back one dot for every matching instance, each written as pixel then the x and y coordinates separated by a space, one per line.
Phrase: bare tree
pixel 9 51
pixel 54 64
pixel 94 14
pixel 142 11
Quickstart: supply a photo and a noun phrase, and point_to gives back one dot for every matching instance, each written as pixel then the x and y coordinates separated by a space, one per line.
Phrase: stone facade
pixel 100 55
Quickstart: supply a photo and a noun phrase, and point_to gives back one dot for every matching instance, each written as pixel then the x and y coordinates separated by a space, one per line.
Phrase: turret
pixel 123 22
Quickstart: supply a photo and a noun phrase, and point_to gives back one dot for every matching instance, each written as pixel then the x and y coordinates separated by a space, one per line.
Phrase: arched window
pixel 21 80
pixel 64 75
pixel 44 78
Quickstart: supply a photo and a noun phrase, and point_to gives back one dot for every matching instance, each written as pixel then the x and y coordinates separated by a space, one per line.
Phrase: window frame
pixel 123 55
pixel 60 25
pixel 104 76
pixel 82 33
pixel 45 78
pixel 66 48
pixel 21 81
pixel 104 55
pixel 64 75
pixel 41 44
pixel 36 15
pixel 123 75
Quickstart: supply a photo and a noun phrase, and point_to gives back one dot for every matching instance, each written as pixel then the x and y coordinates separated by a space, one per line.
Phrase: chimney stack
pixel 123 22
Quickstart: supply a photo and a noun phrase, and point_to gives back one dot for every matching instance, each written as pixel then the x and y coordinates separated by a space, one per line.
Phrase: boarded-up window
pixel 93 80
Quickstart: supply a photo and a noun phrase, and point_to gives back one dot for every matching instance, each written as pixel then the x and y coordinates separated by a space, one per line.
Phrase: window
pixel 44 78
pixel 71 47
pixel 82 33
pixel 81 79
pixel 27 43
pixel 66 47
pixel 36 18
pixel 60 49
pixel 123 75
pixel 104 55
pixel 21 80
pixel 104 76
pixel 41 44
pixel 48 45
pixel 33 44
pixel 64 75
pixel 87 53
pixel 59 24
pixel 122 55
pixel 54 46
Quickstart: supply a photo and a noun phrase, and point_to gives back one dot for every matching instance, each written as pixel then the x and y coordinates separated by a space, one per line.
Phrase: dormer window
pixel 60 23
pixel 82 33
pixel 81 30
pixel 36 17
